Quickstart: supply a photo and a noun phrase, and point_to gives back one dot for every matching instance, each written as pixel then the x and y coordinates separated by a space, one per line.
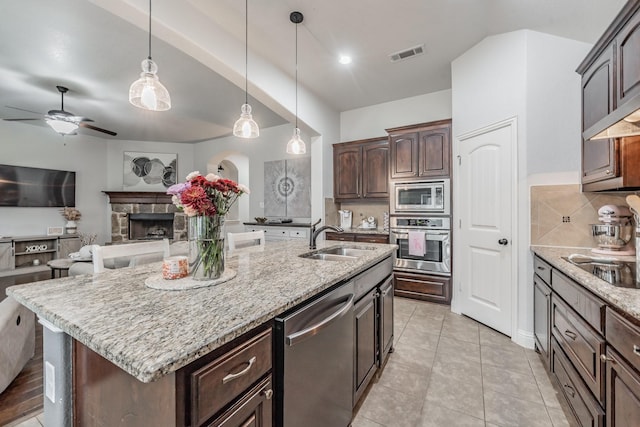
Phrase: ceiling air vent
pixel 407 53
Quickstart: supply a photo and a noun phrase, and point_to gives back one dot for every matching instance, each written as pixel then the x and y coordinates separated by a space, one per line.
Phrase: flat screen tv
pixel 33 187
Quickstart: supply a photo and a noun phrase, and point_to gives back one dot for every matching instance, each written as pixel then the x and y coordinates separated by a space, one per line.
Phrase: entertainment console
pixel 28 254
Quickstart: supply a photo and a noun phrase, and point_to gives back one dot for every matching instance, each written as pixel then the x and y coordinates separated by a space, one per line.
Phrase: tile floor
pixel 450 371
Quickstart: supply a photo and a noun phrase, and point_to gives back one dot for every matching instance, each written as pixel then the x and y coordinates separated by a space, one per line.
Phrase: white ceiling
pixel 96 53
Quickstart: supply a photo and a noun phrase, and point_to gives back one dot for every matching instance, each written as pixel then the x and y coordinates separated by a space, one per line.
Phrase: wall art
pixel 149 171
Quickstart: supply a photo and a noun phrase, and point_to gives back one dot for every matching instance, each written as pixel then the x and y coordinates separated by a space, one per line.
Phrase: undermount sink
pixel 337 253
pixel 328 257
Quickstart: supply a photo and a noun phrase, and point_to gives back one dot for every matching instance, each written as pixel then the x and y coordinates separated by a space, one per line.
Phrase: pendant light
pixel 296 144
pixel 245 126
pixel 147 92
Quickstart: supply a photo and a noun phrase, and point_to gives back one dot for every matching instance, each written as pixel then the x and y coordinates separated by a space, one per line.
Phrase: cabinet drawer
pixel 624 337
pixel 422 286
pixel 584 407
pixel 542 269
pixel 372 238
pixel 216 384
pixel 276 232
pixel 585 304
pixel 582 345
pixel 254 409
pixel 344 237
pixel 298 234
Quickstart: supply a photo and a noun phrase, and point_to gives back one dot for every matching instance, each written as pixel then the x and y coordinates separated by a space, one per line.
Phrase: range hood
pixel 621 122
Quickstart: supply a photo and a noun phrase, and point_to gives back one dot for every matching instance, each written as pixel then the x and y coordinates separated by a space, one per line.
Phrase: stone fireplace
pixel 145 216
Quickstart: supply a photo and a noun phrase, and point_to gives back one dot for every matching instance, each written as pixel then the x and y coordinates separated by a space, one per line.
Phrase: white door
pixel 485 196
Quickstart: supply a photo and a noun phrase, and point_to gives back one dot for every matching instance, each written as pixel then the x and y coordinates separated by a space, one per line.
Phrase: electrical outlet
pixel 566 219
pixel 50 382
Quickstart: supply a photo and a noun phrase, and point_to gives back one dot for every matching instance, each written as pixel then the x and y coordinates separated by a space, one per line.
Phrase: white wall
pixel 371 121
pixel 24 144
pixel 530 76
pixel 270 145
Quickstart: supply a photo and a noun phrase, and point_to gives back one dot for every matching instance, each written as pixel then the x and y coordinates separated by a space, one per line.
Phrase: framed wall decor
pixel 149 171
pixel 55 231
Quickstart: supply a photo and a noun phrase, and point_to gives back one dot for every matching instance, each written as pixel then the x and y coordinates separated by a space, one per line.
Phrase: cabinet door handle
pixel 570 390
pixel 606 358
pixel 268 394
pixel 608 172
pixel 232 377
pixel 541 268
pixel 636 350
pixel 570 334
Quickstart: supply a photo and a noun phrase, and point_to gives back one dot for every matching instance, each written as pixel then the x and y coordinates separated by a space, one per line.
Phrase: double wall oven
pixel 420 224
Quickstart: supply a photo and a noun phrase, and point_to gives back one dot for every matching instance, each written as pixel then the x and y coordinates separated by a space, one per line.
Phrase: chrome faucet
pixel 314 233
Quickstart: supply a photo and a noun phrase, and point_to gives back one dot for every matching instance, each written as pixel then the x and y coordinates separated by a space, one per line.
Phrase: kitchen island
pixel 152 334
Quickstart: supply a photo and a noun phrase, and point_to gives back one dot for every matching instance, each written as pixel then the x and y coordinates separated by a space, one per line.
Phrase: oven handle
pixel 428 232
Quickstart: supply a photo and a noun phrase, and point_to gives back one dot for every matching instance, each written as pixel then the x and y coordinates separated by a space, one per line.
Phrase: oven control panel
pixel 421 222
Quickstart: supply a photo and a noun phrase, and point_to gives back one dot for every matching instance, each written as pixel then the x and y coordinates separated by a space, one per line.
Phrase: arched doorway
pixel 233 165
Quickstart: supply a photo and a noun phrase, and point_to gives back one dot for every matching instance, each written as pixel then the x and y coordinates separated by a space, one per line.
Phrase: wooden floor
pixel 24 395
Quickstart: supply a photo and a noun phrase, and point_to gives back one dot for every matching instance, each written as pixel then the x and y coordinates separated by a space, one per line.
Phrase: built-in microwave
pixel 432 197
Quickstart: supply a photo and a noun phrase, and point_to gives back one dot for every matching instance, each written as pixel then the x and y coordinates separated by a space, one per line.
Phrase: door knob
pixel 503 242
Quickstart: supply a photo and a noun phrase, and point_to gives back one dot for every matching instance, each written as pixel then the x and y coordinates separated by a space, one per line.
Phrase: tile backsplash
pixel 561 215
pixel 360 211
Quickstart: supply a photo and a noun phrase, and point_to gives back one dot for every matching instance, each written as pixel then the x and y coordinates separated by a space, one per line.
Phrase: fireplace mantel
pixel 140 197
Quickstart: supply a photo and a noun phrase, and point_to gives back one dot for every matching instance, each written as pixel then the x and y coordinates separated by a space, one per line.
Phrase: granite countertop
pixel 150 333
pixel 625 299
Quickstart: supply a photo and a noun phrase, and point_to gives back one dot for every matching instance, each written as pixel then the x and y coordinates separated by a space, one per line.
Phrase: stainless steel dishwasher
pixel 314 353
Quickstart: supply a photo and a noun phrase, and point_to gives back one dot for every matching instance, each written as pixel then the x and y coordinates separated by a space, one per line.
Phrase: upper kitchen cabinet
pixel 610 89
pixel 361 170
pixel 420 151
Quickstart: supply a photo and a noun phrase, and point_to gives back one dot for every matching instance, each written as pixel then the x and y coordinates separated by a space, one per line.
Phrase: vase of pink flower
pixel 206 200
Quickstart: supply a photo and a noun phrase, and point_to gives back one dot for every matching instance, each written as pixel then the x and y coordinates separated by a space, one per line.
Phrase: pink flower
pixel 212 177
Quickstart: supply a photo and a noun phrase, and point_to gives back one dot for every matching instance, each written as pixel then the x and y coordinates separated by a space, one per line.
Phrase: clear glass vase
pixel 206 247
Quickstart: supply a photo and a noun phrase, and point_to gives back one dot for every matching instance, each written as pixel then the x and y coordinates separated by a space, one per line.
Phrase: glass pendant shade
pixel 296 144
pixel 245 126
pixel 147 92
pixel 63 127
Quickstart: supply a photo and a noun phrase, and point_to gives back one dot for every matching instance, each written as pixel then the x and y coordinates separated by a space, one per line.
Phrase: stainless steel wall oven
pixel 424 244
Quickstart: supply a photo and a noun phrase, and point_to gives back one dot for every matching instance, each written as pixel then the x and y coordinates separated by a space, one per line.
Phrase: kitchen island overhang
pixel 150 333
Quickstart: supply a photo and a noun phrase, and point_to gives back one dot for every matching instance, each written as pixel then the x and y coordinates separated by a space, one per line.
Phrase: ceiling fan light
pixel 296 145
pixel 63 127
pixel 245 126
pixel 147 92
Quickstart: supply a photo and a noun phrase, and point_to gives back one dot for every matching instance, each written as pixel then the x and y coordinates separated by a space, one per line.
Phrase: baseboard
pixel 524 339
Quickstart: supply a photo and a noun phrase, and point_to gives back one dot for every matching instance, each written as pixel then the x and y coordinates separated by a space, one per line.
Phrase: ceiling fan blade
pixel 18 120
pixel 22 109
pixel 85 125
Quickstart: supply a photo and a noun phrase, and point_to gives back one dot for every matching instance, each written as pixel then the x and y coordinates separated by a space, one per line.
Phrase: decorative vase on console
pixel 206 200
pixel 71 215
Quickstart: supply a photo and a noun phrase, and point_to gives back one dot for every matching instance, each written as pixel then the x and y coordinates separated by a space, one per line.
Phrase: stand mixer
pixel 614 232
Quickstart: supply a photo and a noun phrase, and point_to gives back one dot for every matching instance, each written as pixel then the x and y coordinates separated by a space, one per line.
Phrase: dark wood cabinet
pixel 361 170
pixel 541 314
pixel 357 237
pixel 623 392
pixel 254 409
pixel 627 54
pixel 422 286
pixel 610 80
pixel 366 341
pixel 622 371
pixel 420 151
pixel 385 310
pixel 584 407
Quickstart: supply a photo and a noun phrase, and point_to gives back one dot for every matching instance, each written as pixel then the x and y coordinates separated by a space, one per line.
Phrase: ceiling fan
pixel 63 121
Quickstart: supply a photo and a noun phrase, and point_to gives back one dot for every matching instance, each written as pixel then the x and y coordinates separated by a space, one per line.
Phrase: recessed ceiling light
pixel 345 59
